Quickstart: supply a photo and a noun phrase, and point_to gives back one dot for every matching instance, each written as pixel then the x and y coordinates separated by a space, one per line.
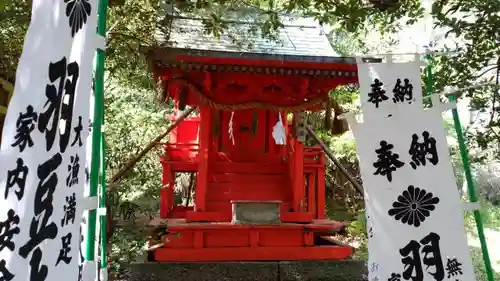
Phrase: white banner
pixel 43 146
pixel 417 231
pixel 389 88
pixel 87 270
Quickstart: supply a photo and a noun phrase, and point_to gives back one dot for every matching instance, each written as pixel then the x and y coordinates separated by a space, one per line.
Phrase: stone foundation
pixel 347 270
pixel 256 212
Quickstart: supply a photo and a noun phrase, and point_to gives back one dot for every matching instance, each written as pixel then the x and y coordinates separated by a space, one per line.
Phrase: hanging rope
pixel 204 100
pixel 230 130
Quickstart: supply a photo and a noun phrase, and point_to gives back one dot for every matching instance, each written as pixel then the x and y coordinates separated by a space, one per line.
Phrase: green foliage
pixel 490 215
pixel 478 263
pixel 350 15
pixel 491 220
pixel 132 120
pixel 358 232
pixel 132 27
pixel 475 29
pixel 126 246
pixel 14 19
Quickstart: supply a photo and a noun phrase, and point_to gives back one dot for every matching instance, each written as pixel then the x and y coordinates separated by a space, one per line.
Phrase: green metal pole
pixel 102 204
pixel 430 83
pixel 96 129
pixel 468 175
pixel 472 192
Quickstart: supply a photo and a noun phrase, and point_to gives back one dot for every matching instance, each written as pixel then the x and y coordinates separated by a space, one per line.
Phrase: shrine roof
pixel 298 37
pixel 300 40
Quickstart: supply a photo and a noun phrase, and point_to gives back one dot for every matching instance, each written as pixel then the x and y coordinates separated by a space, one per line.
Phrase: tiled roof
pixel 298 37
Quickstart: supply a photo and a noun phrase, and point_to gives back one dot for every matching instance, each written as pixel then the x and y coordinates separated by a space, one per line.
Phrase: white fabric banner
pixel 412 200
pixel 87 270
pixel 43 146
pixel 389 88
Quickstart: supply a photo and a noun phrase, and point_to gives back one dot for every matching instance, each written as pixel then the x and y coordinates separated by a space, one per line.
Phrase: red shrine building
pixel 259 192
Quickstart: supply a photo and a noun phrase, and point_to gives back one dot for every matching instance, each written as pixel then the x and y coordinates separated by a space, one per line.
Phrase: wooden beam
pixel 9 87
pixel 131 163
pixel 337 163
pixel 252 254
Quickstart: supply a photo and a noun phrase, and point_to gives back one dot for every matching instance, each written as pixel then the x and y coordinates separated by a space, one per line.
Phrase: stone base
pixel 203 271
pixel 347 270
pixel 256 212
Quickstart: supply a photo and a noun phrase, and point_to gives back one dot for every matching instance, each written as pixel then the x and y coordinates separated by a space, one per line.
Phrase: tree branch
pixel 495 92
pixel 127 36
pixel 485 71
pixel 112 27
pixel 279 12
pixel 9 87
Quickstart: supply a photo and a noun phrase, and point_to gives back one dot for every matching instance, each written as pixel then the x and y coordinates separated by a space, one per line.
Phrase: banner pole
pixel 96 129
pixel 102 217
pixel 471 189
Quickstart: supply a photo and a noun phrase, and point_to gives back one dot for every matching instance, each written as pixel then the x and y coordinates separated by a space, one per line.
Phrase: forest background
pixel 468 30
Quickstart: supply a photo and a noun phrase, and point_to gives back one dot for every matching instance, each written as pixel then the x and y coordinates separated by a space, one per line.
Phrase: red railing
pixel 174 153
pixel 312 156
pixel 180 151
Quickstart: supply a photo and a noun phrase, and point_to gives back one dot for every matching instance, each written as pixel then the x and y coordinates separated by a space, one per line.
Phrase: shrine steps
pixel 253 178
pixel 255 188
pixel 246 181
pixel 268 167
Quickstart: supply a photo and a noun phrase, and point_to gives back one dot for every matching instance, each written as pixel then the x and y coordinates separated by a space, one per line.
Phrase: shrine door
pixel 249 138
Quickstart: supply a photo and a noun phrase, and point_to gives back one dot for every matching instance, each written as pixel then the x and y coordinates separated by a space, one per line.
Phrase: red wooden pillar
pixel 320 182
pixel 291 168
pixel 272 119
pixel 298 177
pixel 204 140
pixel 163 201
pixel 167 192
pixel 311 197
pixel 283 149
